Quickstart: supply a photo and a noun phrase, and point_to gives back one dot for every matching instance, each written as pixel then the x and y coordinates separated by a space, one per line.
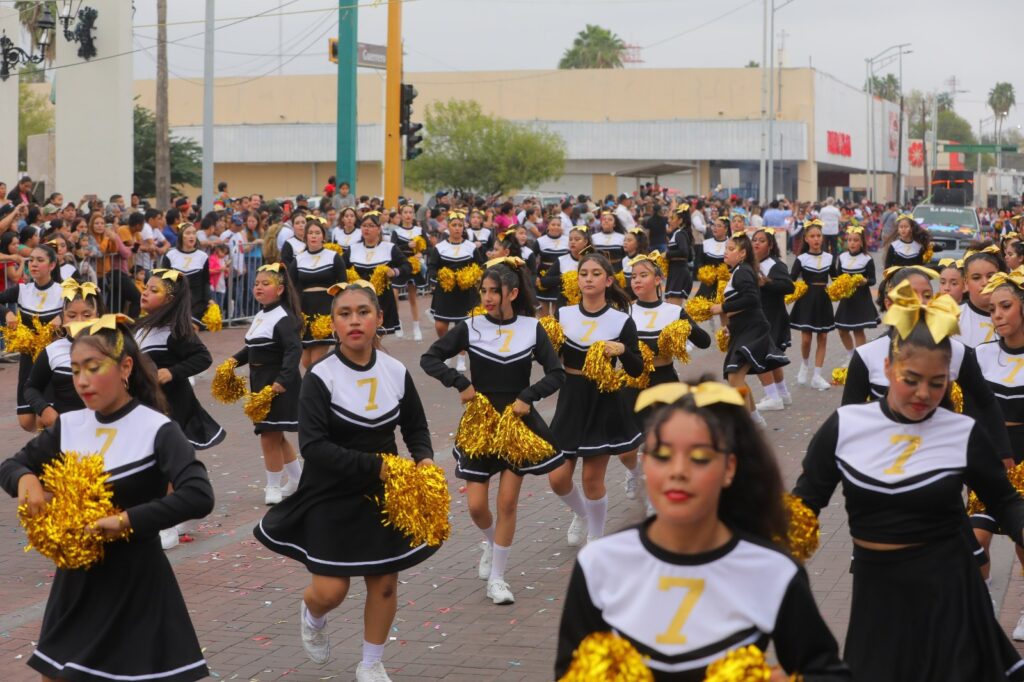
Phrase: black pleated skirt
pixel 454 305
pixel 678 279
pixel 985 521
pixel 199 427
pixel 24 368
pixel 284 410
pixel 813 311
pixel 316 303
pixel 858 311
pixel 664 374
pixel 751 344
pixel 589 423
pixel 923 613
pixel 122 619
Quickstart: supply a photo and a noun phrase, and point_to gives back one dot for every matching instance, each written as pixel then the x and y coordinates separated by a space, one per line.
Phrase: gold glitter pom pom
pixel 843 286
pixel 974 505
pixel 722 272
pixel 418 244
pixel 257 406
pixel 606 656
pixel 598 368
pixel 571 287
pixel 554 331
pixel 722 339
pixel 804 532
pixel 800 288
pixel 416 501
pixel 926 257
pixel 446 279
pixel 479 310
pixel 720 291
pixel 839 376
pixel 644 380
pixel 662 262
pixel 212 319
pixel 707 274
pixel 28 340
pixel 517 443
pixel 672 341
pixel 228 387
pixel 321 327
pixel 336 248
pixel 380 278
pixel 745 664
pixel 956 396
pixel 81 497
pixel 699 308
pixel 1016 477
pixel 469 277
pixel 620 277
pixel 415 264
pixel 477 427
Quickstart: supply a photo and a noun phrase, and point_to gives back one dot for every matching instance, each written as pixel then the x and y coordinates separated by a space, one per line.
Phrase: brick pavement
pixel 244 599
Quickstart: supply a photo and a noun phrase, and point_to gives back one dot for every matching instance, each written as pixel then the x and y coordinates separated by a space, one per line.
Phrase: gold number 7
pixel 695 588
pixel 371 401
pixel 913 443
pixel 108 434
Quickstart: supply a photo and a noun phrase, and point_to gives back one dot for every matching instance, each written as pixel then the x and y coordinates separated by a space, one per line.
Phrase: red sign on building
pixel 839 143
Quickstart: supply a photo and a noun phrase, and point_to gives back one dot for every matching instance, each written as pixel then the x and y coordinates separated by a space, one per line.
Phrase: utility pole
pixel 345 158
pixel 899 142
pixel 163 131
pixel 393 99
pixel 208 110
pixel 924 142
pixel 762 187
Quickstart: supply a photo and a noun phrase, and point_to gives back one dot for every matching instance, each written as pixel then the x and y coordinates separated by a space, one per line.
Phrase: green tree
pixel 186 156
pixel 468 150
pixel 1001 99
pixel 29 13
pixel 594 48
pixel 35 116
pixel 753 64
pixel 886 88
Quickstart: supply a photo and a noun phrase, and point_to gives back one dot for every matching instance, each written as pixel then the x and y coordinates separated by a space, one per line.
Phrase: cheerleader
pixel 50 389
pixel 1013 253
pixel 857 312
pixel 590 425
pixel 346 233
pixel 403 236
pixel 951 279
pixel 67 269
pixel 312 272
pixel 550 247
pixel 507 245
pixel 979 267
pixel 371 253
pixel 579 245
pixel 352 401
pixel 635 244
pixel 39 299
pixel 713 255
pixel 812 313
pixel 502 345
pixel 681 250
pixel 453 254
pixel 908 244
pixel 272 350
pixel 123 618
pixel 295 244
pixel 775 282
pixel 195 266
pixel 478 234
pixel 751 348
pixel 920 609
pixel 608 240
pixel 704 575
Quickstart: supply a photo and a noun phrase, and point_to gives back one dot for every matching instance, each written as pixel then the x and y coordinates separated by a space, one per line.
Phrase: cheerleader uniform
pixel 349 417
pixel 548 252
pixel 904 253
pixel 858 311
pixel 123 618
pixel 50 383
pixel 313 273
pixel 713 255
pixel 183 358
pixel 402 238
pixel 587 422
pixel 813 311
pixel 501 355
pixel 272 349
pixel 744 592
pixel 292 247
pixel 609 244
pixel 552 280
pixel 454 305
pixel 976 326
pixel 70 271
pixel 33 301
pixel 346 239
pixel 195 265
pixel 750 340
pixel 773 300
pixel 482 237
pixel 679 280
pixel 921 612
pixel 364 259
pixel 652 317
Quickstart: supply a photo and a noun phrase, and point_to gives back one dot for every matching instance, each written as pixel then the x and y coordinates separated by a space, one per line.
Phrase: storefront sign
pixel 839 143
pixel 894 135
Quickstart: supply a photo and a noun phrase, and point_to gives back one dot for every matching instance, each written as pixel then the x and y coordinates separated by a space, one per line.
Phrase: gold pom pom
pixel 446 279
pixel 644 380
pixel 321 327
pixel 554 331
pixel 336 248
pixel 620 277
pixel 745 664
pixel 380 278
pixel 228 387
pixel 707 274
pixel 1016 477
pixel 18 339
pixel 257 406
pixel 606 656
pixel 699 308
pixel 81 497
pixel 722 272
pixel 598 368
pixel 720 291
pixel 351 275
pixel 722 339
pixel 571 287
pixel 798 292
pixel 662 262
pixel 477 427
pixel 804 532
pixel 517 444
pixel 926 257
pixel 839 376
pixel 479 310
pixel 843 286
pixel 956 396
pixel 469 276
pixel 974 505
pixel 212 319
pixel 418 245
pixel 672 341
pixel 415 264
pixel 416 501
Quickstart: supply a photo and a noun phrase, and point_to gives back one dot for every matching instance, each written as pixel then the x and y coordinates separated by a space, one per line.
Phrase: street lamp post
pixel 771 98
pixel 870 158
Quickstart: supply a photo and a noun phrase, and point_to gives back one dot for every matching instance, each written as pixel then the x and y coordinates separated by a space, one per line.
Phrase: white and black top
pixel 293 246
pixel 195 265
pixel 402 237
pixel 684 611
pixel 856 264
pixel 69 271
pixel 346 239
pixel 1001 367
pixel 50 383
pixel 44 302
pixel 365 260
pixel 813 268
pixel 272 350
pixel 549 249
pixel 651 318
pixel 714 251
pixel 610 244
pixel 481 236
pixel 773 299
pixel 976 326
pixel 313 273
pixel 583 329
pixel 904 253
pixel 452 256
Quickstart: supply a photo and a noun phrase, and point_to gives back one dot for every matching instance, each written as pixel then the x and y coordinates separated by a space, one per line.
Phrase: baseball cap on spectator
pixel 301 197
pixel 237 219
pixel 49 209
pixel 441 193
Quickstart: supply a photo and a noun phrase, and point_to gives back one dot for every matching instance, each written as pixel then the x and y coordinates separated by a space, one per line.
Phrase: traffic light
pixel 332 50
pixel 406 127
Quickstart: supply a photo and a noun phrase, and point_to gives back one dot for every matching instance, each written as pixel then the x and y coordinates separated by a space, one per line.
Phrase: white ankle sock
pixel 771 392
pixel 574 500
pixel 372 653
pixel 415 325
pixel 488 533
pixel 274 479
pixel 817 371
pixel 314 622
pixel 804 366
pixel 498 561
pixel 597 511
pixel 294 470
pixel 781 387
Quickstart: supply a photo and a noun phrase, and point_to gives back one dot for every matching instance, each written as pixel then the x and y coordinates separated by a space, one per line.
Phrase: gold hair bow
pixel 608 212
pixel 371 214
pixel 942 314
pixel 654 257
pixel 511 261
pixel 854 229
pixel 704 394
pixel 991 248
pixel 927 272
pixel 1014 277
pixel 683 208
pixel 270 267
pixel 507 234
pixel 581 228
pixel 816 221
pixel 770 231
pixel 108 321
pixel 334 289
pixel 905 216
pixel 70 288
pixel 53 242
pixel 723 218
pixel 635 230
pixel 958 263
pixel 1008 235
pixel 456 215
pixel 166 273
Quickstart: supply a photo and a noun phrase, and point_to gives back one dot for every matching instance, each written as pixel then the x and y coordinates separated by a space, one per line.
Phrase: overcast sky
pixel 948 38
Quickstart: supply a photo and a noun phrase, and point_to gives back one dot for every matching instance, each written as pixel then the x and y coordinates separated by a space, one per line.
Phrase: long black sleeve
pixel 339 268
pixel 779 280
pixel 242 356
pixel 631 359
pixel 38 379
pixel 287 255
pixel 446 347
pixel 857 389
pixel 286 334
pixel 890 257
pixel 820 474
pixel 797 271
pixel 554 374
pixel 10 294
pixel 986 476
pixel 315 437
pixel 41 450
pixel 744 284
pixel 803 643
pixel 552 279
pixel 698 337
pixel 679 245
pixel 579 618
pixel 164 262
pixel 400 262
pixel 869 272
pixel 981 404
pixel 433 263
pixel 207 296
pixel 191 357
pixel 413 422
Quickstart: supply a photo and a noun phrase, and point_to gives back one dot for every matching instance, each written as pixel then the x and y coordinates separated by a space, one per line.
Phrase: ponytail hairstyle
pixel 920 336
pixel 364 288
pixel 111 336
pixel 984 251
pixel 176 312
pixel 512 273
pixel 507 240
pixel 642 243
pixel 289 298
pixel 72 290
pixel 742 241
pixel 613 295
pixel 773 245
pixel 51 255
pixel 685 219
pixel 271 254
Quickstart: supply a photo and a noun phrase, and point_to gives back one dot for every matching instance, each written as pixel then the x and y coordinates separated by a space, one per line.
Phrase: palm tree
pixel 594 48
pixel 29 13
pixel 163 138
pixel 1001 99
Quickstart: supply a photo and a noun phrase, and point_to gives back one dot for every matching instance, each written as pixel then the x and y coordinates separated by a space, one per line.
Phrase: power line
pixel 700 26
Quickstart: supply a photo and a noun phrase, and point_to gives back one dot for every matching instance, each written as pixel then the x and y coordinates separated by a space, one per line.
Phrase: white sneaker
pixel 767 404
pixel 316 642
pixel 400 334
pixel 289 487
pixel 417 335
pixel 169 538
pixel 499 592
pixel 374 672
pixel 818 383
pixel 272 494
pixel 1018 632
pixel 460 364
pixel 632 485
pixel 758 418
pixel 787 399
pixel 803 375
pixel 577 530
pixel 483 569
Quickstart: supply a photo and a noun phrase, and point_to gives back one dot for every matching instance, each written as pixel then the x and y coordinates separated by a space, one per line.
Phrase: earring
pixel 124 380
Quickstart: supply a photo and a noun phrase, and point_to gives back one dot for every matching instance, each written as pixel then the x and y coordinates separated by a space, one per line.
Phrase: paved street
pixel 244 599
